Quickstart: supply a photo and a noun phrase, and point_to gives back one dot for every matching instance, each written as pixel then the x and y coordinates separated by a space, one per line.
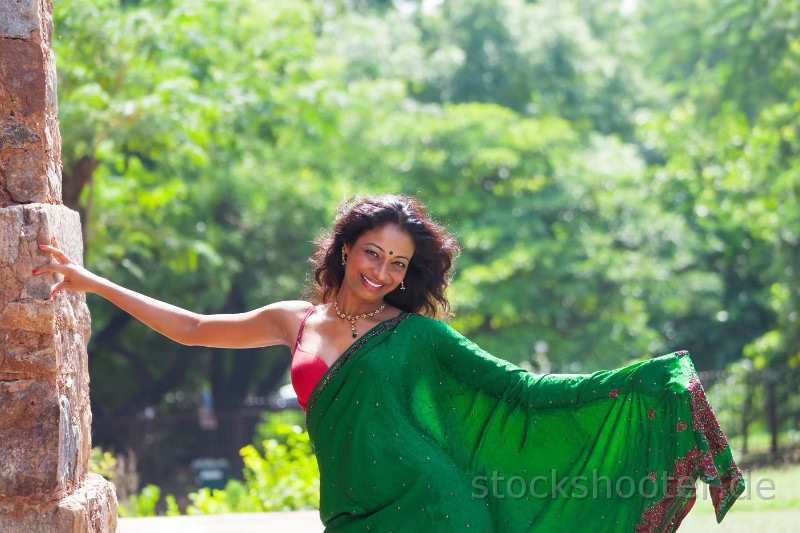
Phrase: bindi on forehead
pixel 390 252
pixel 394 242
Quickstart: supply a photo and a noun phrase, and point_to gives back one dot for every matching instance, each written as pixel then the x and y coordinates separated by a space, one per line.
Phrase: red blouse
pixel 307 368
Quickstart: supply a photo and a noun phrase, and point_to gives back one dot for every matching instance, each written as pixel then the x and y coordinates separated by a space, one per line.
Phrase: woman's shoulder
pixel 294 306
pixel 418 319
pixel 287 315
pixel 287 312
pixel 429 324
pixel 289 308
pixel 439 336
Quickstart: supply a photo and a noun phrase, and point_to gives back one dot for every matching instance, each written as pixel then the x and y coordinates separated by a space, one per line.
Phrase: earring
pixel 344 258
pixel 402 286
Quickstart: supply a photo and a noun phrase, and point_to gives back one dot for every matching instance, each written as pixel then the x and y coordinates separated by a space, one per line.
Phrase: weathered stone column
pixel 45 420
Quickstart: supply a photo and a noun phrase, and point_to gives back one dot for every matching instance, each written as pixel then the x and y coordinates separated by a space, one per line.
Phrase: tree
pixel 731 139
pixel 184 106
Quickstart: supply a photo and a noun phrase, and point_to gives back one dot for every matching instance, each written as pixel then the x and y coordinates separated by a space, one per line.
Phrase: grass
pixel 760 441
pixel 742 522
pixel 767 489
pixel 771 502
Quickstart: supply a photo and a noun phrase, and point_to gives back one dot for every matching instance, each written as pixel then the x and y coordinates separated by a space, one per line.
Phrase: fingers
pixel 54 251
pixel 49 267
pixel 53 268
pixel 58 286
pixel 57 267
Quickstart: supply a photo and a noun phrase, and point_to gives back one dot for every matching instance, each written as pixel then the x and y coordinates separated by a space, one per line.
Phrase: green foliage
pixel 142 504
pixel 541 57
pixel 736 399
pixel 103 462
pixel 172 506
pixel 623 180
pixel 191 201
pixel 146 503
pixel 285 477
pixel 727 137
pixel 278 426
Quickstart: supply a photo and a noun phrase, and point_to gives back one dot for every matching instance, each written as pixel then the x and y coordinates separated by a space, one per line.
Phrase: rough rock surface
pixel 92 508
pixel 30 143
pixel 45 417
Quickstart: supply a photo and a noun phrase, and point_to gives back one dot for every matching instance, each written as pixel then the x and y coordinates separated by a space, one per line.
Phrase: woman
pixel 413 425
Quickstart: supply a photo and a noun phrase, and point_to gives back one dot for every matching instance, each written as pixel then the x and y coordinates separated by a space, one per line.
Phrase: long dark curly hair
pixel 428 273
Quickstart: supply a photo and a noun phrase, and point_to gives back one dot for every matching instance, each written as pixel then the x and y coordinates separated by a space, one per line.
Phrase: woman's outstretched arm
pixel 267 326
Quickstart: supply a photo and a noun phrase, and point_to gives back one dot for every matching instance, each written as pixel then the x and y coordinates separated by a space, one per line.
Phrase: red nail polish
pixel 52 293
pixel 35 270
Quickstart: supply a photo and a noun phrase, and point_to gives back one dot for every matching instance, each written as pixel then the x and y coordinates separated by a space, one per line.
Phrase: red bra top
pixel 307 368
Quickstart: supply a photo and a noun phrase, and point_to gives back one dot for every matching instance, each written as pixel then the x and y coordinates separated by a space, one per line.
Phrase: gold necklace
pixel 352 318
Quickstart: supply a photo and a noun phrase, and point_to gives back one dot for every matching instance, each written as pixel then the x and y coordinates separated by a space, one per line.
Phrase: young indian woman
pixel 415 426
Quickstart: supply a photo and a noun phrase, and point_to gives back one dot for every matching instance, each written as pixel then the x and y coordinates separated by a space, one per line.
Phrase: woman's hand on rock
pixel 75 277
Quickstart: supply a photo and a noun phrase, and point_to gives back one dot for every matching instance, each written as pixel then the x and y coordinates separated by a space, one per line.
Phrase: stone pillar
pixel 45 419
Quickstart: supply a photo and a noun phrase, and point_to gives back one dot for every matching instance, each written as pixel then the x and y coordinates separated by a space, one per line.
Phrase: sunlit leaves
pixel 622 183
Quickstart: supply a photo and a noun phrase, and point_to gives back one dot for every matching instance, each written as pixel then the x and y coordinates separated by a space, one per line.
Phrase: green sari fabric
pixel 416 426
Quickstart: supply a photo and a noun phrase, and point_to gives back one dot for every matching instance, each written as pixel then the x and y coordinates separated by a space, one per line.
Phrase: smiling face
pixel 377 262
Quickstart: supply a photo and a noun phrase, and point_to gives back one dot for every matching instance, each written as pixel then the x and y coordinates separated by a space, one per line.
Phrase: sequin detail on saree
pixel 332 371
pixel 416 427
pixel 700 462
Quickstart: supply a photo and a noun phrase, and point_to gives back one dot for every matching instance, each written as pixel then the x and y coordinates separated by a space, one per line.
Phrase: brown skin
pixel 325 333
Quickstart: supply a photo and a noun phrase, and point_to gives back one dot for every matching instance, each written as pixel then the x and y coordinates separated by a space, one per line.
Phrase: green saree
pixel 415 426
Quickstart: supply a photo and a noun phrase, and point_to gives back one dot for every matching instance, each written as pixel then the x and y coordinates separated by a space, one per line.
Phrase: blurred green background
pixel 622 175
